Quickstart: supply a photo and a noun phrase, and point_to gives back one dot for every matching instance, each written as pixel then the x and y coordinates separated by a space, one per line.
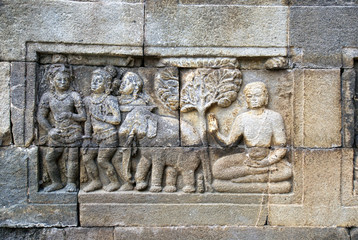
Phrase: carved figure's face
pixel 256 98
pixel 127 87
pixel 62 81
pixel 97 83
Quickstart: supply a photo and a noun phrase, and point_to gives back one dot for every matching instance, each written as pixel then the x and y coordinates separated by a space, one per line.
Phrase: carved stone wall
pixel 122 119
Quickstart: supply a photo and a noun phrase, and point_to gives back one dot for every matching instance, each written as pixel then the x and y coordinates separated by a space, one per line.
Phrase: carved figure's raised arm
pixel 80 116
pixel 235 134
pixel 115 119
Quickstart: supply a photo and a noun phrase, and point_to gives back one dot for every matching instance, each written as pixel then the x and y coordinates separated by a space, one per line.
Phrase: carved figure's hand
pixel 258 164
pixel 54 133
pixel 213 123
pixel 64 116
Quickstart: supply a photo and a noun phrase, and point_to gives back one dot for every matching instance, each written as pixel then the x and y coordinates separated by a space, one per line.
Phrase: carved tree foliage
pixel 206 87
pixel 167 87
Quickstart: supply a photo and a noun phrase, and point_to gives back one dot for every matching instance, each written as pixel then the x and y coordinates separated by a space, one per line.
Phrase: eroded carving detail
pixel 263 167
pixel 276 63
pixel 200 62
pixel 167 87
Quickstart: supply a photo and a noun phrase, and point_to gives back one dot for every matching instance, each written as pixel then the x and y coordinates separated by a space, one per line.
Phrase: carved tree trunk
pixel 202 127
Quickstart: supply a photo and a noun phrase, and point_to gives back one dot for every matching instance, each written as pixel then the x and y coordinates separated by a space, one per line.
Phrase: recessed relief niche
pixel 196 126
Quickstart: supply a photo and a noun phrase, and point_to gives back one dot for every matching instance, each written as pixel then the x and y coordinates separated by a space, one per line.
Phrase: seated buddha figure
pixel 263 166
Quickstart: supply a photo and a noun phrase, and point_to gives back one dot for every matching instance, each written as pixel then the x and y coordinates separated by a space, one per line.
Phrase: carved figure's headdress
pixel 55 69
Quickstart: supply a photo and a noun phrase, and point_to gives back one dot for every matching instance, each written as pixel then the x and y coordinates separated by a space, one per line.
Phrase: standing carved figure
pixel 134 101
pixel 263 168
pixel 103 115
pixel 65 130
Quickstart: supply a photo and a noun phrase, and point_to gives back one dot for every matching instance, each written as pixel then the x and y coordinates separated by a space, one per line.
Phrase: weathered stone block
pixel 171 214
pixel 22 83
pixel 39 215
pixel 108 22
pixel 322 2
pixel 215 30
pixel 354 233
pixel 348 109
pixel 230 232
pixel 234 2
pixel 21 204
pixel 321 41
pixel 317 108
pixel 89 233
pixel 13 176
pixel 17 84
pixel 5 128
pixel 20 233
pixel 322 192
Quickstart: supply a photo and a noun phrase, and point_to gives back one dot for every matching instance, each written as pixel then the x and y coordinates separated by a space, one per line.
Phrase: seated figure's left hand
pixel 259 164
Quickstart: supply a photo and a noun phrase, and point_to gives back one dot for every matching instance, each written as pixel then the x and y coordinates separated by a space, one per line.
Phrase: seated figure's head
pixel 256 95
pixel 102 80
pixel 59 76
pixel 131 84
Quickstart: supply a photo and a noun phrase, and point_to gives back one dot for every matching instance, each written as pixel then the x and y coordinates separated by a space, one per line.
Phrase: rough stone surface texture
pixel 178 119
pixel 5 127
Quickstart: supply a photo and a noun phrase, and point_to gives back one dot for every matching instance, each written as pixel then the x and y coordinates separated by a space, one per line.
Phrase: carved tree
pixel 206 87
pixel 167 87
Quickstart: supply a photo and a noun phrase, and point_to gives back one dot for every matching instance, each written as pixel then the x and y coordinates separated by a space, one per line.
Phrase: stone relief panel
pixel 262 167
pixel 111 128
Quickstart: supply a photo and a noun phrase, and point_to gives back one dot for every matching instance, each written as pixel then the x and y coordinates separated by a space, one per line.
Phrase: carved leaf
pixel 208 87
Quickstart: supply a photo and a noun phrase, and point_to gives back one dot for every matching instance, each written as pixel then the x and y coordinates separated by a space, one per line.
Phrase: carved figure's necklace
pixel 98 100
pixel 62 96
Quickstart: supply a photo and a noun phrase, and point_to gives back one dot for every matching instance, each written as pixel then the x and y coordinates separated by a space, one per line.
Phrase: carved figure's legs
pixel 233 166
pixel 171 179
pixel 279 172
pixel 189 181
pixel 92 170
pixel 284 172
pixel 72 170
pixel 142 172
pixel 126 169
pixel 157 174
pixel 104 160
pixel 51 158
